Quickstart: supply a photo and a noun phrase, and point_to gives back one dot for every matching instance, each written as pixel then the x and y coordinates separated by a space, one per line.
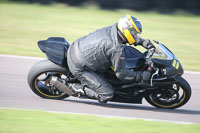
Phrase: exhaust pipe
pixel 61 86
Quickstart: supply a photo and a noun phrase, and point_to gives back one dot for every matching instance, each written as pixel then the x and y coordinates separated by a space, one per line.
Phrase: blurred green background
pixel 35 121
pixel 23 24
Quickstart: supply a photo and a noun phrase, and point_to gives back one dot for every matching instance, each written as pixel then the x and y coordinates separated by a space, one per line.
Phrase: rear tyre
pixel 39 77
pixel 171 97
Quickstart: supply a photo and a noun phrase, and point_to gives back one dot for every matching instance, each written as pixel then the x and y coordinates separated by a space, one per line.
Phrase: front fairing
pixel 165 58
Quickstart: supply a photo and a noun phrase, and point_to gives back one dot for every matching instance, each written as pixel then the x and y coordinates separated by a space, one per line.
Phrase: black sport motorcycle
pixel 166 89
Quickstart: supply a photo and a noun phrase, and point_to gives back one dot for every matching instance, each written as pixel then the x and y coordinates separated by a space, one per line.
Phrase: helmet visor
pixel 134 33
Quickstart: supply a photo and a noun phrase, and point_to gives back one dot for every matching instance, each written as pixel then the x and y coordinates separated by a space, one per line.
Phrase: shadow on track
pixel 135 107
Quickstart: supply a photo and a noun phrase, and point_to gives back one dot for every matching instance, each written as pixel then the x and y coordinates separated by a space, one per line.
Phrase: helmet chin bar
pixel 125 41
pixel 123 38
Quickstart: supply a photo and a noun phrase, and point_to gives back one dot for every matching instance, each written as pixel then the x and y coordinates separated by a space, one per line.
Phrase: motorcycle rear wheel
pixel 38 76
pixel 158 100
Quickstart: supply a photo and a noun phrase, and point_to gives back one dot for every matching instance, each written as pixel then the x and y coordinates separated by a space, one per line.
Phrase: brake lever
pixel 156 73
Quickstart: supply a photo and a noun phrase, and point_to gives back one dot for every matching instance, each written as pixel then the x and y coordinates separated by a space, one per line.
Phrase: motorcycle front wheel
pixel 39 79
pixel 171 97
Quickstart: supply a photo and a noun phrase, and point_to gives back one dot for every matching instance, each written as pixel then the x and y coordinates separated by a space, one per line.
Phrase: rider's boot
pixel 93 95
pixel 81 91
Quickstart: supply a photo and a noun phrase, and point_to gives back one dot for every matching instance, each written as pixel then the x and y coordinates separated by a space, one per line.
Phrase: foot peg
pixel 77 89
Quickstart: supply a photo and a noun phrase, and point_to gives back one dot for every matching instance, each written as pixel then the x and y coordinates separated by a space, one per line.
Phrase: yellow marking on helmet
pixel 112 68
pixel 177 65
pixel 128 36
pixel 134 25
pixel 174 63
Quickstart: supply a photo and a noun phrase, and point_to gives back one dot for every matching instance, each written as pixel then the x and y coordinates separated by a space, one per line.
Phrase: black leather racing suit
pixel 97 52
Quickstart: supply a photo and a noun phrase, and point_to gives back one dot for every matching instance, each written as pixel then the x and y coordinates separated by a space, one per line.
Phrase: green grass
pixel 12 121
pixel 22 25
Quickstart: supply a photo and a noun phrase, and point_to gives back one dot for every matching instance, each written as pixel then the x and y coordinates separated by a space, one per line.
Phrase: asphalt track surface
pixel 15 93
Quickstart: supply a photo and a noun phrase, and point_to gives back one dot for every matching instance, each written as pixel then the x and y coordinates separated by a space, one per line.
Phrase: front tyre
pixel 171 97
pixel 39 79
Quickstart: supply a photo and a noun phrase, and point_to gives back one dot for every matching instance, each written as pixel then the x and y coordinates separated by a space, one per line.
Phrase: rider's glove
pixel 146 43
pixel 151 48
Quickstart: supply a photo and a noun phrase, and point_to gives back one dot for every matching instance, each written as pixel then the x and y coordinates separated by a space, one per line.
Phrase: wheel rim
pixel 168 97
pixel 43 86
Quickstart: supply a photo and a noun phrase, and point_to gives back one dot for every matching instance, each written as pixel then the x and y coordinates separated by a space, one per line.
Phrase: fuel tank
pixel 134 58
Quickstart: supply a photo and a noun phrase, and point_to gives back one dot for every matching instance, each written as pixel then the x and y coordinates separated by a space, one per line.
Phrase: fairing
pixel 165 58
pixel 134 58
pixel 162 57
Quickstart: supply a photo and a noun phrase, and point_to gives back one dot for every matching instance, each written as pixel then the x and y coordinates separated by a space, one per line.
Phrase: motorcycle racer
pixel 88 56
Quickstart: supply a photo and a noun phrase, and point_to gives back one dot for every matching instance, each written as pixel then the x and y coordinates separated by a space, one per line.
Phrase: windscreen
pixel 163 53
